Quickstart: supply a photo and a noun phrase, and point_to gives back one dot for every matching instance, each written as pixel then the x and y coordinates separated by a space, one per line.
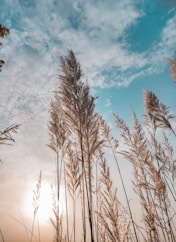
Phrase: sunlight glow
pixel 46 200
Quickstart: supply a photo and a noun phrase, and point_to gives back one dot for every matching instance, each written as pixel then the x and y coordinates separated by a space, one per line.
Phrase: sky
pixel 122 47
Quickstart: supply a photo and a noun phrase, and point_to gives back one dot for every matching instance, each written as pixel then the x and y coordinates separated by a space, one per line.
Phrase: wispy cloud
pixel 41 32
pixel 108 102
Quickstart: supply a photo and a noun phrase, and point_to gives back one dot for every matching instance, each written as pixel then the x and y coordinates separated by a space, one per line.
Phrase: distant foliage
pixel 3 32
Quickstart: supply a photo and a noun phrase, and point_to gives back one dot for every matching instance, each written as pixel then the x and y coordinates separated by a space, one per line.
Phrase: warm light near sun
pixel 45 210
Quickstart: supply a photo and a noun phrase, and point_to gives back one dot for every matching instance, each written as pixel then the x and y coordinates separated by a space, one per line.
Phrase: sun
pixel 45 202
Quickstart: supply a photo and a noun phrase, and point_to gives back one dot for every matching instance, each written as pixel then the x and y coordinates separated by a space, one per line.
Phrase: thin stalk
pixel 164 194
pixel 82 195
pixel 170 189
pixel 38 227
pixel 97 202
pixel 32 229
pixel 57 175
pixel 25 227
pixel 124 189
pixel 82 192
pixel 66 201
pixel 168 221
pixel 74 220
pixel 149 198
pixel 36 198
pixel 2 237
pixel 87 192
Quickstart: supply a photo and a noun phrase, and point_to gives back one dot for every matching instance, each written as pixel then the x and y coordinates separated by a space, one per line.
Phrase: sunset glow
pixel 45 202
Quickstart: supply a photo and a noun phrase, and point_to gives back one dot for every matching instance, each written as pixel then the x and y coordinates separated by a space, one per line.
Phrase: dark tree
pixel 3 32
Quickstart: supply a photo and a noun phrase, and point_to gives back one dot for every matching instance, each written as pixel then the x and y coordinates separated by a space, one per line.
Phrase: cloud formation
pixel 41 31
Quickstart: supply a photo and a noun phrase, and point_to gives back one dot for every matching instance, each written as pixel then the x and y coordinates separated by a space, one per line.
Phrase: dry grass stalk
pixel 114 144
pixel 148 159
pixel 78 112
pixel 57 222
pixel 73 179
pixel 172 63
pixel 156 112
pixel 2 237
pixel 132 151
pixel 36 203
pixel 75 136
pixel 59 143
pixel 6 135
pixel 111 213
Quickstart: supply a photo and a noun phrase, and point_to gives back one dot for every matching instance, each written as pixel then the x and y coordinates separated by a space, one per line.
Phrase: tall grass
pixel 76 107
pixel 36 204
pixel 79 137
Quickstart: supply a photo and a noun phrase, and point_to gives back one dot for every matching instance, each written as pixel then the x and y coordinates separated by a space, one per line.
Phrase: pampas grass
pixel 79 136
pixel 36 204
pixel 172 63
pixel 76 107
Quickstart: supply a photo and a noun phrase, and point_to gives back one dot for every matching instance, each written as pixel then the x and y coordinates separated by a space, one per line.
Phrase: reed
pixel 79 137
pixel 36 204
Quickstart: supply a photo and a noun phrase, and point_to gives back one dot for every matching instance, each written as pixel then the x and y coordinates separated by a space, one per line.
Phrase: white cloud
pixel 108 102
pixel 41 32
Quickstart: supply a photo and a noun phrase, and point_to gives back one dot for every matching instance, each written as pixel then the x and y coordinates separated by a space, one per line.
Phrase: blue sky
pixel 121 45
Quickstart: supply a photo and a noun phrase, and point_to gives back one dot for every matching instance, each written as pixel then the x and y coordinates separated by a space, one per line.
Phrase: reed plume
pixel 6 135
pixel 79 136
pixel 113 145
pixel 172 63
pixel 113 222
pixel 157 112
pixel 148 159
pixel 36 204
pixel 73 179
pixel 75 106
